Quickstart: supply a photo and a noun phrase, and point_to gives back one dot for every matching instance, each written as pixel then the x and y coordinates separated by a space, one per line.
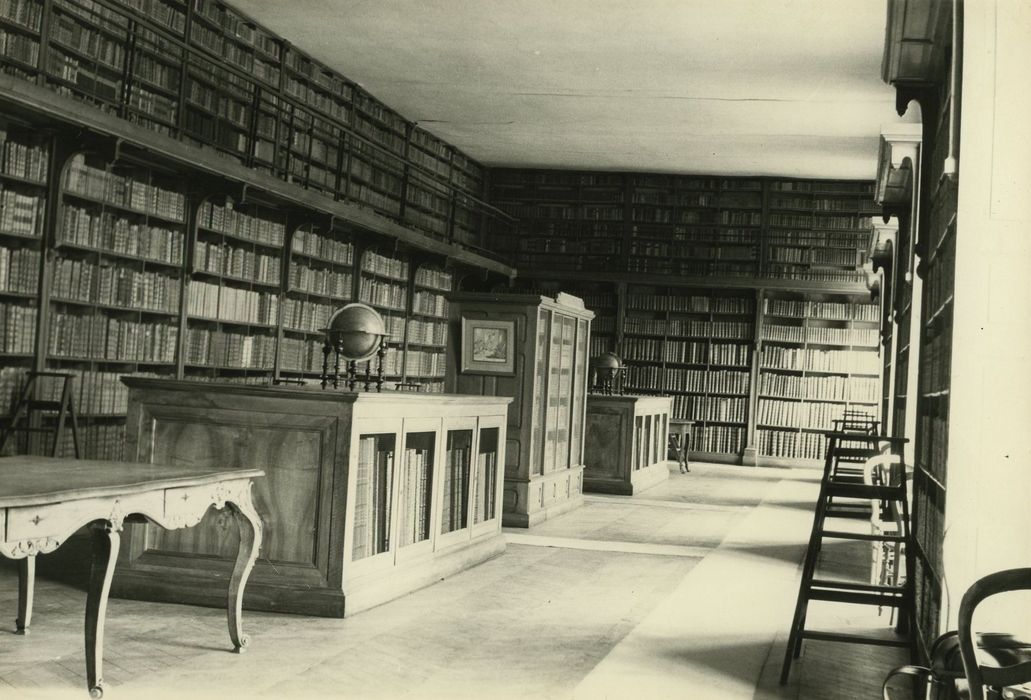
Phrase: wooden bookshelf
pixel 674 268
pixel 427 328
pixel 818 357
pixel 207 75
pixel 24 164
pixel 319 280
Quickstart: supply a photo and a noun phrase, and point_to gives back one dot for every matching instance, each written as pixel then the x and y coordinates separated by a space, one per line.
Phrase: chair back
pixel 978 676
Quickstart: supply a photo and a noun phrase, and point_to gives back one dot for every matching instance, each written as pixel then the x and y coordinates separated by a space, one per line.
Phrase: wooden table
pixel 44 500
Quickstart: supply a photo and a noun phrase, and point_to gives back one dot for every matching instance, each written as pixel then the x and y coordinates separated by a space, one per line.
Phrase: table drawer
pixel 32 522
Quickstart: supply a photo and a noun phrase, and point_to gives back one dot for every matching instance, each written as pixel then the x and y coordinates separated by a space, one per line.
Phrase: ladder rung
pixel 852 638
pixel 855 586
pixel 839 535
pixel 858 598
pixel 881 493
pixel 44 405
pixel 17 429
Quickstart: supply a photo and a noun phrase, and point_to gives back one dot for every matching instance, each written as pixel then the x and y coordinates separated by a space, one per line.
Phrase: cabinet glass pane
pixel 454 510
pixel 649 432
pixel 416 488
pixel 579 380
pixel 540 398
pixel 566 339
pixel 373 485
pixel 638 441
pixel 484 503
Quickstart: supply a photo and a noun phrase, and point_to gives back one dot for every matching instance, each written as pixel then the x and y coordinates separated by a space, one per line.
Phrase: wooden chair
pixel 1011 659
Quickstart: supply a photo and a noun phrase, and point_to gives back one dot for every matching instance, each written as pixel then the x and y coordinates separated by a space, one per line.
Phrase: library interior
pixel 524 349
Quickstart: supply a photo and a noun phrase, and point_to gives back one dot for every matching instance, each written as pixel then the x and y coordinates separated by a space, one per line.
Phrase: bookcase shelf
pixel 207 75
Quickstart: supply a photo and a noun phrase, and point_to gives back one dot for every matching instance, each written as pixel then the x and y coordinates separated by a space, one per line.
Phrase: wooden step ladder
pixel 26 416
pixel 836 488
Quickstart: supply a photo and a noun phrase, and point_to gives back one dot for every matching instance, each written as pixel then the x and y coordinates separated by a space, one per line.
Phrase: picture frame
pixel 488 347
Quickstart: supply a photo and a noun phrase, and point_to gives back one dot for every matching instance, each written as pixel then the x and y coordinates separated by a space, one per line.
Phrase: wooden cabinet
pixel 625 443
pixel 366 496
pixel 544 466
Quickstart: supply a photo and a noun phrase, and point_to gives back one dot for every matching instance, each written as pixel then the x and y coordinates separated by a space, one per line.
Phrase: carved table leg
pixel 249 522
pixel 26 586
pixel 105 551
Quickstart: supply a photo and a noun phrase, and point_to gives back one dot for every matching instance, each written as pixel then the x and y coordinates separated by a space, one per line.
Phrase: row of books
pixel 935 364
pixel 27 13
pixel 21 159
pixel 658 249
pixel 17 328
pixel 817 256
pixel 836 311
pixel 858 337
pixel 225 219
pixel 934 446
pixel 238 26
pixel 600 344
pixel 100 47
pixel 87 281
pixel 717 438
pixel 395 326
pixel 416 501
pixel 378 292
pixel 306 315
pixel 819 204
pixel 701 381
pixel 941 281
pixel 433 279
pixel 426 332
pixel 858 240
pixel 486 485
pixel 374 477
pixel 844 361
pixel 96 393
pixel 692 268
pixel 603 324
pixel 315 245
pixel 928 524
pixel 822 187
pixel 695 352
pixel 302 355
pixel 384 266
pixel 454 512
pixel 213 301
pixel 697 235
pixel 789 272
pixel 20 48
pixel 168 13
pixel 429 303
pixel 791 444
pixel 689 303
pixel 19 270
pixel 812 221
pixel 21 214
pixel 218 348
pixel 224 259
pixel 819 388
pixel 100 338
pixel 425 363
pixel 798 414
pixel 117 234
pixel 321 281
pixel 121 191
pixel 329 104
pixel 711 408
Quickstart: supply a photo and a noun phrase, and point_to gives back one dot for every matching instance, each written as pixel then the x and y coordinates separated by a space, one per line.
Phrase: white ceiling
pixel 769 87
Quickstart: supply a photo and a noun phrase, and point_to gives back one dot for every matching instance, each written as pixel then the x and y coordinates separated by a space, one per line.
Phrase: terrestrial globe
pixel 606 360
pixel 355 331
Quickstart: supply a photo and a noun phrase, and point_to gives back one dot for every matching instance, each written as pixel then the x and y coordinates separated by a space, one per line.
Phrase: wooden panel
pixel 605 445
pixel 287 497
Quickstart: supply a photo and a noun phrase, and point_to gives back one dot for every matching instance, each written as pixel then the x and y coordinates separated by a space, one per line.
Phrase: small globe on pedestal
pixel 355 331
pixel 607 369
pixel 606 360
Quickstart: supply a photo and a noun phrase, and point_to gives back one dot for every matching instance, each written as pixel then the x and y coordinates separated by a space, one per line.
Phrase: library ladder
pixel 890 494
pixel 26 417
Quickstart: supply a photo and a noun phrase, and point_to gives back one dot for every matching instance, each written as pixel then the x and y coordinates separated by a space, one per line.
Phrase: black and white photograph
pixel 515 349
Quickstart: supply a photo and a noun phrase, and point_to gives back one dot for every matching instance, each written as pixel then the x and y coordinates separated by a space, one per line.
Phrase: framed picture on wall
pixel 488 347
